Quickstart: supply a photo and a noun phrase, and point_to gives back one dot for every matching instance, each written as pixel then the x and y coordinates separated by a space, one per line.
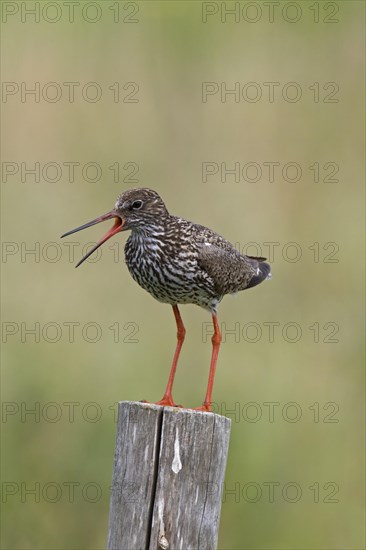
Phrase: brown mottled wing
pixel 229 270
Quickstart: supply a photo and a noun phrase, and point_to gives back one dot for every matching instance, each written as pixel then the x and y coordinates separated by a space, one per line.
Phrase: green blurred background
pixel 168 133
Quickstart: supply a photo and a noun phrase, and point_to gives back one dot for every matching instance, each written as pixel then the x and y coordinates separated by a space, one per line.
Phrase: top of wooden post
pixel 168 475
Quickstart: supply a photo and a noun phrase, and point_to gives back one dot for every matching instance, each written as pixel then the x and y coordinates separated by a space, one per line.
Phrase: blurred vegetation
pixel 169 132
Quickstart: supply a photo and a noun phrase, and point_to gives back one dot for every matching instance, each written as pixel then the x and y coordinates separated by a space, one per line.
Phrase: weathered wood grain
pixel 168 476
pixel 134 475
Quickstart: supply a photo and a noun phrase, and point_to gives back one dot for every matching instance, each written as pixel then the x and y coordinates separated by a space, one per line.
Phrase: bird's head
pixel 140 208
pixel 136 209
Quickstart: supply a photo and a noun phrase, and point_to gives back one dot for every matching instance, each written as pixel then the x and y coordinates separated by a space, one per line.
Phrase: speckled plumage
pixel 180 262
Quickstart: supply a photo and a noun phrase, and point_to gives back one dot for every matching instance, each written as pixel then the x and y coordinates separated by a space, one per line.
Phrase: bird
pixel 178 262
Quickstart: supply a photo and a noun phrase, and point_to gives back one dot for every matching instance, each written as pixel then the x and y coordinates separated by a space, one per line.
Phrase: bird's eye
pixel 136 205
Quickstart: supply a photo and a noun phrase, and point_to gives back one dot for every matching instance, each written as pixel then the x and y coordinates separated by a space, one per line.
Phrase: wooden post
pixel 168 475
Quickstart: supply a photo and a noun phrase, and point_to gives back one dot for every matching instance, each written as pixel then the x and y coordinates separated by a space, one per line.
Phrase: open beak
pixel 117 227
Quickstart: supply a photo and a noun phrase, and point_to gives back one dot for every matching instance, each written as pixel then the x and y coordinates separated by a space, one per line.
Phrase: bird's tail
pixel 263 271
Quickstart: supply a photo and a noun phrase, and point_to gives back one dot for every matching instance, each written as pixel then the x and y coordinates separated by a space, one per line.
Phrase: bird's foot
pixel 206 407
pixel 167 401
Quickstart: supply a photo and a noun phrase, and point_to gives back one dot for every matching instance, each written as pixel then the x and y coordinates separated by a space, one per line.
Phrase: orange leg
pixel 167 400
pixel 216 340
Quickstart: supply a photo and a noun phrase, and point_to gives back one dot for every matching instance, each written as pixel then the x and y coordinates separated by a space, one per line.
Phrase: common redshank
pixel 179 262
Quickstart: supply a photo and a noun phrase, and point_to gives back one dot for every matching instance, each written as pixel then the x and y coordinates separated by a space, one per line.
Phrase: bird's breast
pixel 167 271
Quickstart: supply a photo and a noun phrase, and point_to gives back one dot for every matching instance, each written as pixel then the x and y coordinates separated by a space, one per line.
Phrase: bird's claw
pixel 206 407
pixel 167 402
pixel 163 403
